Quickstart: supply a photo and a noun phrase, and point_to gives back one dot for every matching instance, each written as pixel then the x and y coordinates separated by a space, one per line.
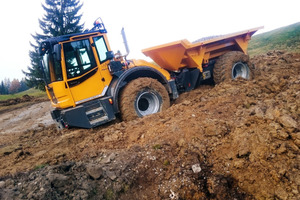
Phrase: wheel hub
pixel 240 69
pixel 147 103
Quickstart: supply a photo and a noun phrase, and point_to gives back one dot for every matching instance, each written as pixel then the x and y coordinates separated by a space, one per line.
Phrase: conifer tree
pixel 5 84
pixel 62 17
pixel 2 88
pixel 23 85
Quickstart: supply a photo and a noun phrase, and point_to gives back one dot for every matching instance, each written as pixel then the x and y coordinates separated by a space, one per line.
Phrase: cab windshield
pixel 52 68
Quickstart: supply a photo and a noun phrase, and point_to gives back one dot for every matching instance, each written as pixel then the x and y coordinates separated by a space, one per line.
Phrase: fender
pixel 119 82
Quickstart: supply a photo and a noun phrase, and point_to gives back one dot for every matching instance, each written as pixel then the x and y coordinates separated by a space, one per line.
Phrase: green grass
pixel 157 146
pixel 40 166
pixel 30 92
pixel 286 38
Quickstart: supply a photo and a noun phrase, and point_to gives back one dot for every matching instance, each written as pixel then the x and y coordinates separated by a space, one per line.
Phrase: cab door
pixel 83 73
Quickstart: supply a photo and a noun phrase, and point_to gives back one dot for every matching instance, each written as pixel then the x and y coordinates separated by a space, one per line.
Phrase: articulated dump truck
pixel 88 85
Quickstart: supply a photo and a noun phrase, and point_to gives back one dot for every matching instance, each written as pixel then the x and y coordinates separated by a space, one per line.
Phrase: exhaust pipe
pixel 125 42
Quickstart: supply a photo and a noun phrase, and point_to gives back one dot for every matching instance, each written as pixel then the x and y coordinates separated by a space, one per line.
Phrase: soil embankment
pixel 237 140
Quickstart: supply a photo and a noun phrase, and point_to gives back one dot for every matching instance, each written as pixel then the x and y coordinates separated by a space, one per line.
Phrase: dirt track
pixel 27 117
pixel 237 140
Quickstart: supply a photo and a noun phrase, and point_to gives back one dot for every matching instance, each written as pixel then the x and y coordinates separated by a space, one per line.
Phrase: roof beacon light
pixel 99 25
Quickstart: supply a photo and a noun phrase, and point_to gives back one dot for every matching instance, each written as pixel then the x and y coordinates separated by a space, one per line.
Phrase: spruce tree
pixel 62 17
pixel 2 88
pixel 23 85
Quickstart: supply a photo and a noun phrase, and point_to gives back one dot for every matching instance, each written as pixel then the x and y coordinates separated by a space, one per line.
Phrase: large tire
pixel 141 97
pixel 232 65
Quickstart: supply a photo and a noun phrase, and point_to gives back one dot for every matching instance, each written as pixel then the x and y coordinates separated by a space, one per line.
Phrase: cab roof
pixel 56 40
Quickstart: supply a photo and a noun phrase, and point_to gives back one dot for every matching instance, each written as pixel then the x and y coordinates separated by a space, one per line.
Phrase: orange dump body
pixel 181 54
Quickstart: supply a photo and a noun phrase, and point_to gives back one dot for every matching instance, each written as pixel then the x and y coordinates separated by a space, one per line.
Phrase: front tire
pixel 232 65
pixel 141 97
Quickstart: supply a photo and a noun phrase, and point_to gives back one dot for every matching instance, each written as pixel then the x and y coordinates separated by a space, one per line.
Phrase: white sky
pixel 147 23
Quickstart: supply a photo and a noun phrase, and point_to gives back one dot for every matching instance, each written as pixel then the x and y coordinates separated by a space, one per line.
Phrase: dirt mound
pixel 24 98
pixel 237 140
pixel 17 103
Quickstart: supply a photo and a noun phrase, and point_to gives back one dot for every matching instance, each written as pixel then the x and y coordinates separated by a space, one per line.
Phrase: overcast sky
pixel 147 23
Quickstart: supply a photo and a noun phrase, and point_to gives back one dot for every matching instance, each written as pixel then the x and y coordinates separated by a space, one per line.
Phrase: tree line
pixel 12 87
pixel 61 17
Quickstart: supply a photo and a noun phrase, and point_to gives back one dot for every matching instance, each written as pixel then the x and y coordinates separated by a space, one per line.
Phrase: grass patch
pixel 41 166
pixel 109 194
pixel 31 92
pixel 157 146
pixel 286 38
pixel 166 163
pixel 16 101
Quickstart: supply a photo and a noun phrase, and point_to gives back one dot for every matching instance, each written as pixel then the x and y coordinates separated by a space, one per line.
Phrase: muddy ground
pixel 237 140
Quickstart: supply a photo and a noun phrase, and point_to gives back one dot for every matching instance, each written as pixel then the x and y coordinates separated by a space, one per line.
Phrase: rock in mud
pixel 58 180
pixel 196 168
pixel 94 170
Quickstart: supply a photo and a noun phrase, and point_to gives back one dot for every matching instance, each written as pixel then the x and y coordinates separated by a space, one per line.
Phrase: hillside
pixel 238 140
pixel 285 38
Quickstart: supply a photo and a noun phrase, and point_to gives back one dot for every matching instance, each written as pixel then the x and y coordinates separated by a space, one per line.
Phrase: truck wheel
pixel 232 65
pixel 141 97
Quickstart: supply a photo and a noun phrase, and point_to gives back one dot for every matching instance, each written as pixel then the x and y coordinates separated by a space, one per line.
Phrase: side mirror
pixel 44 46
pixel 40 51
pixel 110 55
pixel 44 73
pixel 57 52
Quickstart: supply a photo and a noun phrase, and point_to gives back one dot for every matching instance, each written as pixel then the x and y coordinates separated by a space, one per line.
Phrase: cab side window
pixel 52 69
pixel 101 48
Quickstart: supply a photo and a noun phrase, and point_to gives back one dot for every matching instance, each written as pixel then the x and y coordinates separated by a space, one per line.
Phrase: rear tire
pixel 141 97
pixel 232 65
